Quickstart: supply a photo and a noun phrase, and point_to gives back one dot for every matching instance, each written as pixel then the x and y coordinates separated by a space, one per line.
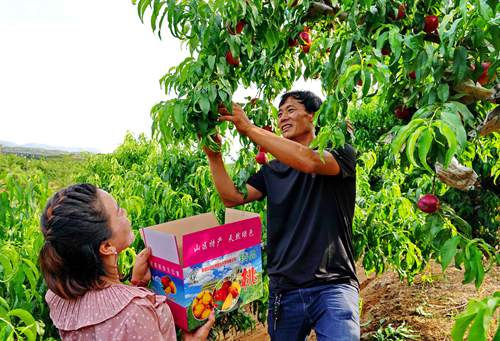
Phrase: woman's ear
pixel 107 249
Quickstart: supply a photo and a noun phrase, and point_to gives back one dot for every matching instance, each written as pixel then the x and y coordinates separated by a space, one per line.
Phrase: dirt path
pixel 427 307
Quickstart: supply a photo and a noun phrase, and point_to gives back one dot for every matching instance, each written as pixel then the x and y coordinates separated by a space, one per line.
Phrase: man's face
pixel 293 119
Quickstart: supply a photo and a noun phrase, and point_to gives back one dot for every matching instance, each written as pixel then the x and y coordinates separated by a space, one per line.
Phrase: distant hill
pixel 39 150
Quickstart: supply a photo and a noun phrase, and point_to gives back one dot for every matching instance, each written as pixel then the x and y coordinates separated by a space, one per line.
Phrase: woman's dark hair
pixel 311 102
pixel 74 224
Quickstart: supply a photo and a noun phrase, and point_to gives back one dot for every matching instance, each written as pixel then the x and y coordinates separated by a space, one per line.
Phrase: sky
pixel 80 74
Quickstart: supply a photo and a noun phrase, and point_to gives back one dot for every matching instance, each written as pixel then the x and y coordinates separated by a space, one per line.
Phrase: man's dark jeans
pixel 331 310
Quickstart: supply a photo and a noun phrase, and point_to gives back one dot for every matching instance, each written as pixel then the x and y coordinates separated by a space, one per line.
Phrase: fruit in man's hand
pixel 231 60
pixel 431 23
pixel 402 112
pixel 428 203
pixel 261 158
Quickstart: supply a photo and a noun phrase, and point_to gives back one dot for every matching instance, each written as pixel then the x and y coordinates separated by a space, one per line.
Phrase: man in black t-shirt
pixel 310 207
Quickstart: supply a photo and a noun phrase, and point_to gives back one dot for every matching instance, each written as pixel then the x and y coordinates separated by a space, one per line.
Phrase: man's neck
pixel 305 139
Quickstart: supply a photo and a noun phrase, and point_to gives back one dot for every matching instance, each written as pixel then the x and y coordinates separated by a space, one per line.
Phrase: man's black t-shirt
pixel 309 223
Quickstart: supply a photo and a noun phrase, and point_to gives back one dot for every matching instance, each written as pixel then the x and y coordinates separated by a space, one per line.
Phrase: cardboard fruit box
pixel 201 265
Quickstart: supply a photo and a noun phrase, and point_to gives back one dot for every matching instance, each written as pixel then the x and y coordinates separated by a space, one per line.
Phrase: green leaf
pixel 448 251
pixel 451 139
pixel 27 319
pixel 485 10
pixel 424 145
pixel 462 321
pixel 453 120
pixel 211 62
pixel 403 134
pixel 461 109
pixel 443 92
pixel 411 143
pixel 367 81
pixel 178 114
pixel 204 104
pixel 460 63
pixel 421 65
pixel 395 42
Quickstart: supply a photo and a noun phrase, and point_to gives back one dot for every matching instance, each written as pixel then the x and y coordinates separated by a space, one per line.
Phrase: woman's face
pixel 122 235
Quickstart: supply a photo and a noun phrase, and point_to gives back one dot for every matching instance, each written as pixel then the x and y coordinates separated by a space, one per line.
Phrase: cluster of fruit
pixel 304 39
pixel 227 294
pixel 202 305
pixel 168 285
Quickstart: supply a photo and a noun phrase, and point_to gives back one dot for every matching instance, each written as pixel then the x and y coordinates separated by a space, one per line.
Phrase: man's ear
pixel 310 116
pixel 106 248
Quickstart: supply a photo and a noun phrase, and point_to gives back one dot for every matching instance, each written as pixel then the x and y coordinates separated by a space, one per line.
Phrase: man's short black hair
pixel 311 102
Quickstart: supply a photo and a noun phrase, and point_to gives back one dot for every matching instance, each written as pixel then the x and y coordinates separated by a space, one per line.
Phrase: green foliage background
pixel 168 178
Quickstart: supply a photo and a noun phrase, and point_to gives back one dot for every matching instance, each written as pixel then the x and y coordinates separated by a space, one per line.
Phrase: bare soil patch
pixel 427 306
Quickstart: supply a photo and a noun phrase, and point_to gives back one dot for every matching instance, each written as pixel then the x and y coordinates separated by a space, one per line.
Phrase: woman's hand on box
pixel 201 334
pixel 140 272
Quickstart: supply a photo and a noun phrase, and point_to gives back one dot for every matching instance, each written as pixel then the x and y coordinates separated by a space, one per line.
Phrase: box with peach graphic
pixel 203 266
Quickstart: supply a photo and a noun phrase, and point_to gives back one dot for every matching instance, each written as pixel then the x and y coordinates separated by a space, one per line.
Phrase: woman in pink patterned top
pixel 85 230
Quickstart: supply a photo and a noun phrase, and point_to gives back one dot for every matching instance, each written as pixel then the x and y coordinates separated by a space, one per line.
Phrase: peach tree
pixel 416 78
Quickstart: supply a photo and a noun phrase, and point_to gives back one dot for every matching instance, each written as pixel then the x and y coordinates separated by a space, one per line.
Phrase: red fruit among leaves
pixel 231 60
pixel 428 203
pixel 293 42
pixel 412 75
pixel 239 27
pixel 305 37
pixel 401 11
pixel 431 23
pixel 386 51
pixel 483 78
pixel 402 112
pixel 305 40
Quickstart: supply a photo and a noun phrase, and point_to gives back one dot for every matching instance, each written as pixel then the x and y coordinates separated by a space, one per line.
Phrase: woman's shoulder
pixel 96 306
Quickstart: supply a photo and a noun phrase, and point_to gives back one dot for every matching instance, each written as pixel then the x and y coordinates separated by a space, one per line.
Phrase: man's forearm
pixel 287 151
pixel 223 183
